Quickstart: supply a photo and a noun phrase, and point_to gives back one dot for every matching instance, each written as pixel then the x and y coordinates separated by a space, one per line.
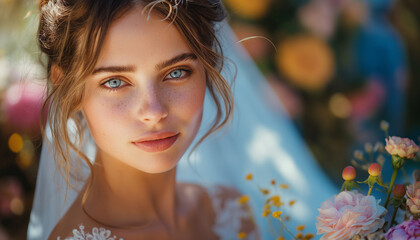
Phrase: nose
pixel 152 109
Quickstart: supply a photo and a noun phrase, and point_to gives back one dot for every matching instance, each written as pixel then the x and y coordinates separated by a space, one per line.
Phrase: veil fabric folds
pixel 259 140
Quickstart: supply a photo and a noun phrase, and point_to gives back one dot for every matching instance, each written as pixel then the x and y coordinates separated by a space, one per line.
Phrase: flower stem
pixel 284 225
pixel 393 217
pixel 391 185
pixel 370 190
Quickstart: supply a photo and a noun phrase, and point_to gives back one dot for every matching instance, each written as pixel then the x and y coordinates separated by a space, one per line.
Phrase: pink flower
pixel 349 213
pixel 413 198
pixel 403 147
pixel 408 230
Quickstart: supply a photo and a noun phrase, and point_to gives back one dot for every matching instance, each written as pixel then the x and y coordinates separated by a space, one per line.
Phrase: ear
pixel 56 74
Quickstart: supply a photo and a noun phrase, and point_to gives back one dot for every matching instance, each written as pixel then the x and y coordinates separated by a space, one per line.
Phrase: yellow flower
pixel 249 177
pixel 276 201
pixel 266 212
pixel 273 182
pixel 276 214
pixel 264 191
pixel 281 238
pixel 299 235
pixel 309 236
pixel 243 199
pixel 284 186
pixel 300 228
pixel 251 9
pixel 291 203
pixel 241 235
pixel 307 61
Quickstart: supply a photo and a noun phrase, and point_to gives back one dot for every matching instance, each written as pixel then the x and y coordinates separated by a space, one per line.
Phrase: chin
pixel 156 165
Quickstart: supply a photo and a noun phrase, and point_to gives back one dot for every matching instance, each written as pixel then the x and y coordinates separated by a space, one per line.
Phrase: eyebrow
pixel 159 66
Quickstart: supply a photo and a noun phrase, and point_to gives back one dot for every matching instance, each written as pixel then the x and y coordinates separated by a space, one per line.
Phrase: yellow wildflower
pixel 249 177
pixel 299 235
pixel 300 228
pixel 277 214
pixel 309 236
pixel 243 199
pixel 266 212
pixel 273 182
pixel 264 191
pixel 281 238
pixel 241 235
pixel 284 186
pixel 291 203
pixel 276 201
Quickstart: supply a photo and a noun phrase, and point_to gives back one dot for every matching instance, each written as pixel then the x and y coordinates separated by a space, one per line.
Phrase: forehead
pixel 133 39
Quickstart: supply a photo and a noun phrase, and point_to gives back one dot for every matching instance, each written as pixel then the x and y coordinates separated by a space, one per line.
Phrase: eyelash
pixel 186 73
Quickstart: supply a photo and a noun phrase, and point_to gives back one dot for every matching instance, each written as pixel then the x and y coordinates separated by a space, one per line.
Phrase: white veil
pixel 260 140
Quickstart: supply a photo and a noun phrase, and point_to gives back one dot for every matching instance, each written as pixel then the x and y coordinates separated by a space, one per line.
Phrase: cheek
pixel 103 115
pixel 189 103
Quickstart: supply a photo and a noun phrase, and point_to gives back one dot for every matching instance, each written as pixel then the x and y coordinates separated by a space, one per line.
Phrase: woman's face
pixel 144 101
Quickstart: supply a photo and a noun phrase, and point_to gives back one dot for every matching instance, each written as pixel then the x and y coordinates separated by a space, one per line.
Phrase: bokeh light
pixel 306 61
pixel 15 143
pixel 340 106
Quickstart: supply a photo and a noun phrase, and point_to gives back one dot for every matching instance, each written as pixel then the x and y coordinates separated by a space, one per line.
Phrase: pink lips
pixel 156 142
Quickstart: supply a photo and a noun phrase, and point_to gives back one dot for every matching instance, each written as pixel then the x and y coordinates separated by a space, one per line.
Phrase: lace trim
pixel 97 234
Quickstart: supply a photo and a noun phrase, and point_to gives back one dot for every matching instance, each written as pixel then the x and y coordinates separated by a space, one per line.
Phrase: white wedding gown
pixel 260 140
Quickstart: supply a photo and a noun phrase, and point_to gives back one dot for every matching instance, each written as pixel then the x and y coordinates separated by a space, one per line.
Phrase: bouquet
pixel 353 215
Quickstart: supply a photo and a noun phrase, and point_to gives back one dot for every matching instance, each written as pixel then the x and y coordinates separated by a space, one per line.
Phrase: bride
pixel 128 82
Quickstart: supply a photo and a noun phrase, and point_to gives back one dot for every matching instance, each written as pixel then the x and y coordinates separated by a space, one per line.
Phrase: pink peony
pixel 413 198
pixel 349 213
pixel 408 230
pixel 403 147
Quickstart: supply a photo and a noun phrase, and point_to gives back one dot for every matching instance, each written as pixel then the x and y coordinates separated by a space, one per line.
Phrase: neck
pixel 130 197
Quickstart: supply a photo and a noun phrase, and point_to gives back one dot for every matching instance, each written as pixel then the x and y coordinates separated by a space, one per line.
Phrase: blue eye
pixel 113 83
pixel 178 73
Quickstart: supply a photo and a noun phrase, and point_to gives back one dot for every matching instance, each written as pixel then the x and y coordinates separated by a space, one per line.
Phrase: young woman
pixel 134 75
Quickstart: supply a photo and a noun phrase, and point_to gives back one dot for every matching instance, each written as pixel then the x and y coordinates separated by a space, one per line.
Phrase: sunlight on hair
pixel 257 37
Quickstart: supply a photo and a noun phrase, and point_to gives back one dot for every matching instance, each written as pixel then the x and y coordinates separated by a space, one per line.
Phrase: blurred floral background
pixel 338 67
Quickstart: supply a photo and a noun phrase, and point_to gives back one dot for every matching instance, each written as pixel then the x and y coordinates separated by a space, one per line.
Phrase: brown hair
pixel 71 33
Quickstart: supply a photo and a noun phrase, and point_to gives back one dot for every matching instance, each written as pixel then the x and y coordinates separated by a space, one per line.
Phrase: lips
pixel 156 142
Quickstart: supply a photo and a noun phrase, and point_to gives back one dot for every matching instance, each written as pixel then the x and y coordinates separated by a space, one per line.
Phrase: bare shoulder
pixel 198 196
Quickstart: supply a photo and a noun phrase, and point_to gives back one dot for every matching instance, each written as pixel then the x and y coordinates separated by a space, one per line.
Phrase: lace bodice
pixel 229 218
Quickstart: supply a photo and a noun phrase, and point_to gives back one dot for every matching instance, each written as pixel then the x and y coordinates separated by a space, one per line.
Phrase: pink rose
pixel 413 198
pixel 403 147
pixel 408 230
pixel 349 213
